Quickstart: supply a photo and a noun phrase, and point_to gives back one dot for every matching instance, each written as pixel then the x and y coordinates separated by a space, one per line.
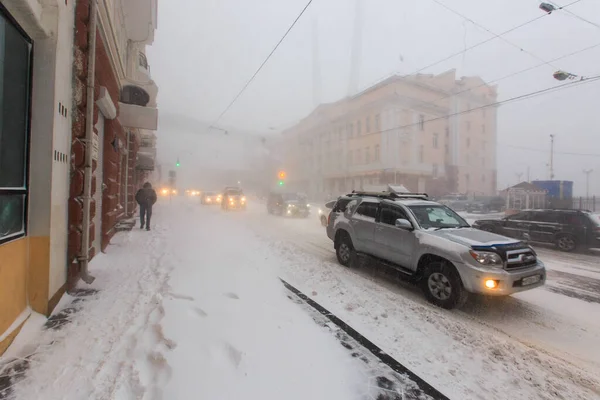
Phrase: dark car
pixel 233 199
pixel 567 229
pixel 210 198
pixel 486 204
pixel 288 204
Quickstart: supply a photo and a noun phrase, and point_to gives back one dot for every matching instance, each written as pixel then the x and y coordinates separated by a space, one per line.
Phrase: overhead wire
pixel 515 73
pixel 569 12
pixel 262 64
pixel 501 102
pixel 493 33
pixel 548 151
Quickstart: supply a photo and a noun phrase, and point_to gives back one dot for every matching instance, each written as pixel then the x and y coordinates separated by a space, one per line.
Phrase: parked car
pixel 434 246
pixel 567 229
pixel 288 204
pixel 457 202
pixel 210 198
pixel 486 205
pixel 233 199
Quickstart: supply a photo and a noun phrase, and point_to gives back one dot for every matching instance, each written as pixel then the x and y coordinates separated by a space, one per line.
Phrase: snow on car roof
pixel 416 202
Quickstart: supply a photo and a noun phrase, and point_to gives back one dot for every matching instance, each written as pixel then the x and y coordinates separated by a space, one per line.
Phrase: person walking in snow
pixel 146 197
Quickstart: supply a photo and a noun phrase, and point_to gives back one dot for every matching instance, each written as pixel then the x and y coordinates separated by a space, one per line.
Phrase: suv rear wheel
pixel 345 250
pixel 566 243
pixel 442 285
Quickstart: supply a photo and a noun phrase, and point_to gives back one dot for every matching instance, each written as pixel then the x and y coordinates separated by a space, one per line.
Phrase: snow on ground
pixel 523 347
pixel 191 310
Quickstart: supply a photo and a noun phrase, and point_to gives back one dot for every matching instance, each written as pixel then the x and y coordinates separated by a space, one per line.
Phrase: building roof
pixel 527 186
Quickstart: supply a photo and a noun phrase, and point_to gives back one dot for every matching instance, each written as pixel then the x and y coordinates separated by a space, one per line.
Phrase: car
pixel 485 205
pixel 457 202
pixel 568 230
pixel 288 204
pixel 210 198
pixel 323 214
pixel 433 246
pixel 233 199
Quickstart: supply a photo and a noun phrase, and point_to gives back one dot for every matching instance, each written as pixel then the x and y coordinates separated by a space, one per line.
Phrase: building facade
pixel 44 59
pixel 430 133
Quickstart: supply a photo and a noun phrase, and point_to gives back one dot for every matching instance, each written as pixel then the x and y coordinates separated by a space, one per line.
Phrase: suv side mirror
pixel 404 224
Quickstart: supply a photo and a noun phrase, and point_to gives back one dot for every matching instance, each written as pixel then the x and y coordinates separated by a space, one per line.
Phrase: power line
pixel 516 73
pixel 492 33
pixel 512 99
pixel 558 7
pixel 263 63
pixel 548 151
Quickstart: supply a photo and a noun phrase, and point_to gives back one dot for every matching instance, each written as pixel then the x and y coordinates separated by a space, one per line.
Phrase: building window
pixel 367 155
pixel 351 129
pixel 447 130
pixel 368 124
pixel 350 157
pixel 483 111
pixel 483 162
pixel 435 140
pixel 376 155
pixel 435 171
pixel 421 154
pixel 358 157
pixel 468 125
pixel 483 129
pixel 358 127
pixel 447 149
pixel 483 178
pixel 483 145
pixel 15 68
pixel 143 61
pixel 421 122
pixel 377 122
pixel 468 143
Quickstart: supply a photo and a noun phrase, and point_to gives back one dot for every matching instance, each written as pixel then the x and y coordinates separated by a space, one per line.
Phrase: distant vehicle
pixel 567 229
pixel 210 198
pixel 432 245
pixel 323 212
pixel 288 204
pixel 486 205
pixel 233 199
pixel 457 202
pixel 167 191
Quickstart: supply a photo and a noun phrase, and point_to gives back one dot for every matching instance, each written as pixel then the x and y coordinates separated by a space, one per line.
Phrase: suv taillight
pixel 328 218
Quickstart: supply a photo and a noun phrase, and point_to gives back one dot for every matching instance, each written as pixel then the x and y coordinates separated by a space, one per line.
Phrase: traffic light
pixel 281 176
pixel 177 164
pixel 280 183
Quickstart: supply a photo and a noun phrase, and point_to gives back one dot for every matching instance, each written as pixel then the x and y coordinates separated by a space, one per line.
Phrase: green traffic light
pixel 280 183
pixel 177 164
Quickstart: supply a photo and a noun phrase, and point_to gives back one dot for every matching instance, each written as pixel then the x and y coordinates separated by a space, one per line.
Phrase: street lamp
pixel 587 173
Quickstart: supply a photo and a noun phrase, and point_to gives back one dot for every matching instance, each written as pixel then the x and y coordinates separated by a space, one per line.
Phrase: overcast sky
pixel 205 51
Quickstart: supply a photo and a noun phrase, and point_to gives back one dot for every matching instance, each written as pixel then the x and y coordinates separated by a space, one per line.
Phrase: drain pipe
pixel 84 256
pixel 127 173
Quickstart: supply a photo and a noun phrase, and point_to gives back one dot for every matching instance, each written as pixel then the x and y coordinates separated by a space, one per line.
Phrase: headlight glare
pixel 487 258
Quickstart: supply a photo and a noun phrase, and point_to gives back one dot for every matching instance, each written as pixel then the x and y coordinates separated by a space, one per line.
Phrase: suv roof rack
pixel 390 195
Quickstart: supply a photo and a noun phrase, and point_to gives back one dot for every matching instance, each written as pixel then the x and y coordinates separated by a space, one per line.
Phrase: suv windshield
pixel 437 216
pixel 293 197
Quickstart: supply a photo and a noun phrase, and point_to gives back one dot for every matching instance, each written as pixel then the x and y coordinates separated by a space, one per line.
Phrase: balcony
pixel 140 20
pixel 134 116
pixel 145 162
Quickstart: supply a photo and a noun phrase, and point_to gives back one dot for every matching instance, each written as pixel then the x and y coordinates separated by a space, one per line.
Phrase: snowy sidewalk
pixel 192 310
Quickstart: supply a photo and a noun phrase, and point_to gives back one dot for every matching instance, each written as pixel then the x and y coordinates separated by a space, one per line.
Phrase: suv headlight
pixel 487 258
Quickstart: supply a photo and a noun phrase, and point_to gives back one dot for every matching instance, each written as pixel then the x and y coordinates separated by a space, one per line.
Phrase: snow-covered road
pixel 194 310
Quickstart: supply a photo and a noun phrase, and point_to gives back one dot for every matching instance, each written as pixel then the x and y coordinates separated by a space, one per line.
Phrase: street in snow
pixel 196 306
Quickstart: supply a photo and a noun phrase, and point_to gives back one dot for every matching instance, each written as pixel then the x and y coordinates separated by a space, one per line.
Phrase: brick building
pixel 47 140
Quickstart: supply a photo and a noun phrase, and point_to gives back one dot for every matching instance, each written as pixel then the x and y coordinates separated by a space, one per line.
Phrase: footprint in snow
pixel 181 296
pixel 232 296
pixel 200 312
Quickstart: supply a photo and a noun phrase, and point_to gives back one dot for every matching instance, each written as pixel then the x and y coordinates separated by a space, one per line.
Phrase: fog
pixel 206 51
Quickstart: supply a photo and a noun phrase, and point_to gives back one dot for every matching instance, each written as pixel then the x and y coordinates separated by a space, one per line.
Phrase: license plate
pixel 530 280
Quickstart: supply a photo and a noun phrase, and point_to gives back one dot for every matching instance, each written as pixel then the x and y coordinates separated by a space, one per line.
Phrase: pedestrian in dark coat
pixel 146 197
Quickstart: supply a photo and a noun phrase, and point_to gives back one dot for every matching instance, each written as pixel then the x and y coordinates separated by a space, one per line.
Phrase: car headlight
pixel 487 258
pixel 320 211
pixel 243 199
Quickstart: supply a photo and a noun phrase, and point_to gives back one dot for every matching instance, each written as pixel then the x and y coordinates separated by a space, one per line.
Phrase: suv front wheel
pixel 345 250
pixel 442 285
pixel 566 243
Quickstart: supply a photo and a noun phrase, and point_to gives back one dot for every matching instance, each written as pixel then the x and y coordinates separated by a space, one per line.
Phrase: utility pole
pixel 551 157
pixel 528 175
pixel 519 175
pixel 587 173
